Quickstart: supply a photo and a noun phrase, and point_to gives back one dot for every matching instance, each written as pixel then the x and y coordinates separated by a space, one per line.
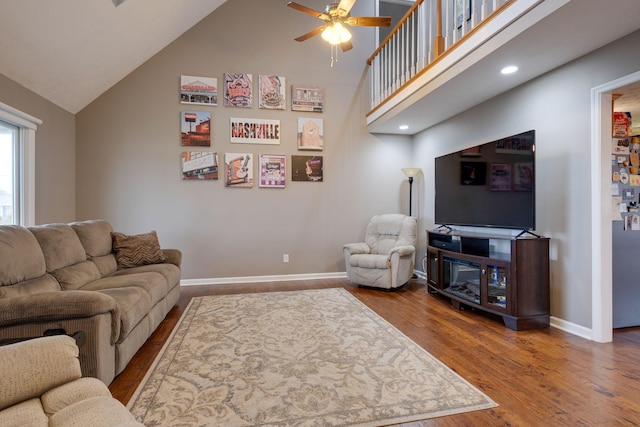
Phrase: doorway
pixel 602 247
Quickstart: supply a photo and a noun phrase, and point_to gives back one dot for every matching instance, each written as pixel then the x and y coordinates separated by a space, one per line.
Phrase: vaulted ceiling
pixel 71 51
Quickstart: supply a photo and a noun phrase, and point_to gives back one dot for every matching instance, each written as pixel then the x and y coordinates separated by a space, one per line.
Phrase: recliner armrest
pixel 403 250
pixel 30 368
pixel 59 306
pixel 357 248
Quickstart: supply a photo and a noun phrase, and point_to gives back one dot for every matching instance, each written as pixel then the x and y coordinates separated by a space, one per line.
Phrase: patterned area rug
pixel 299 358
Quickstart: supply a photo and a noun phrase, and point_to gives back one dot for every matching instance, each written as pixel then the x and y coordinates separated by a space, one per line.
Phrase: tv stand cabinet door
pixel 433 268
pixel 497 288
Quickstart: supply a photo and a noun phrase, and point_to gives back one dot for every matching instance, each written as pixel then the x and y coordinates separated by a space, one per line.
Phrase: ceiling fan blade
pixel 310 34
pixel 369 21
pixel 346 5
pixel 305 9
pixel 346 46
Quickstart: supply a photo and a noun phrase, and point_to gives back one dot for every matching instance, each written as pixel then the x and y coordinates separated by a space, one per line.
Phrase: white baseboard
pixel 572 328
pixel 262 279
pixel 275 278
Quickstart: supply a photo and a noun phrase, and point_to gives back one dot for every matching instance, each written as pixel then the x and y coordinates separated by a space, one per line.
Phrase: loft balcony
pixel 440 60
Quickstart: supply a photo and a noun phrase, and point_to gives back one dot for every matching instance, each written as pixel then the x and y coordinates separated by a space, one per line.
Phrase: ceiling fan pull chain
pixel 331 46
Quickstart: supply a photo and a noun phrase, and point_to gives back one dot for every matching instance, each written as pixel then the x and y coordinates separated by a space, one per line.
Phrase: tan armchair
pixel 386 258
pixel 41 385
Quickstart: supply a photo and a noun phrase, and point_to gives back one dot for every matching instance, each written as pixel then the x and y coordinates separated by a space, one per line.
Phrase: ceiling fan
pixel 335 16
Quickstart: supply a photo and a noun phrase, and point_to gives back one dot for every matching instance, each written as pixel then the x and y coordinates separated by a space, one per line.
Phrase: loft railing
pixel 427 31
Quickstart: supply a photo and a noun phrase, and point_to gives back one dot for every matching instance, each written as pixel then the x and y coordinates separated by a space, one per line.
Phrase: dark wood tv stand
pixel 504 275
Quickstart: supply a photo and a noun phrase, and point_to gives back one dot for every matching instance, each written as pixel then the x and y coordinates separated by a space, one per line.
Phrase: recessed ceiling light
pixel 509 69
pixel 403 127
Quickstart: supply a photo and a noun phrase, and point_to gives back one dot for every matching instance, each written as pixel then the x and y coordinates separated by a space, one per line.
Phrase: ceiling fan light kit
pixel 336 17
pixel 336 33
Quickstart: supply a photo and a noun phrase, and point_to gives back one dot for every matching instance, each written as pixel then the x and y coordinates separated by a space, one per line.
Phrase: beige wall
pixel 128 148
pixel 55 152
pixel 558 106
pixel 123 161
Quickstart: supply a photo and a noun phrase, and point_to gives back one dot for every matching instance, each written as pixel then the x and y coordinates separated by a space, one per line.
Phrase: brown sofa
pixel 66 278
pixel 42 386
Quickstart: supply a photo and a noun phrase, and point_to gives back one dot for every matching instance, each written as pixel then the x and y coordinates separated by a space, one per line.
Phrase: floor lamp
pixel 410 173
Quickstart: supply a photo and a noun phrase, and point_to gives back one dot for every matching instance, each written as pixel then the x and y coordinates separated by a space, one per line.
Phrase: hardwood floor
pixel 539 378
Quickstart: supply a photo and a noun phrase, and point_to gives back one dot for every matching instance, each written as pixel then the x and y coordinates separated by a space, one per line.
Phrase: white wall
pixel 128 148
pixel 557 105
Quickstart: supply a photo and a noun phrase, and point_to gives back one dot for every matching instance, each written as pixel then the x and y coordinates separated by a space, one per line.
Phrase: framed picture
pixel 310 134
pixel 473 173
pixel 273 170
pixel 196 128
pixel 306 168
pixel 307 98
pixel 238 90
pixel 500 177
pixel 254 131
pixel 199 90
pixel 272 92
pixel 199 165
pixel 238 170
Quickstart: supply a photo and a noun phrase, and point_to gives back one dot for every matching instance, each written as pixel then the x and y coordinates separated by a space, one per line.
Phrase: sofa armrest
pixel 404 250
pixel 174 256
pixel 357 248
pixel 30 368
pixel 59 306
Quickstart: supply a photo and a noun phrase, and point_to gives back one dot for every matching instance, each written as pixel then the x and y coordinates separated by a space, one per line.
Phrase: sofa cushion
pixel 77 275
pixel 21 257
pixel 71 393
pixel 27 413
pixel 135 304
pixel 95 236
pixel 136 250
pixel 170 272
pixel 30 368
pixel 60 245
pixel 154 284
pixel 106 264
pixel 40 285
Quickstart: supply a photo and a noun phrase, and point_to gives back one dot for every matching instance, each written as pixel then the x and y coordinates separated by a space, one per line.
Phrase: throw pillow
pixel 137 250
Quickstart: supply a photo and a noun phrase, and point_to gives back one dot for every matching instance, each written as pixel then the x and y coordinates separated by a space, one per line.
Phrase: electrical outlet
pixel 285 258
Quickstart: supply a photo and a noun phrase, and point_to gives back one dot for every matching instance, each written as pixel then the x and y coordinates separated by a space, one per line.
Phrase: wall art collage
pixel 196 127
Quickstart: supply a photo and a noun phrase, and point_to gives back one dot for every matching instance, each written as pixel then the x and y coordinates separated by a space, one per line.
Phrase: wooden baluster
pixel 438 46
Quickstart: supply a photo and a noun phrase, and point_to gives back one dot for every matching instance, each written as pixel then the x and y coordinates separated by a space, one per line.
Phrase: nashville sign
pixel 255 131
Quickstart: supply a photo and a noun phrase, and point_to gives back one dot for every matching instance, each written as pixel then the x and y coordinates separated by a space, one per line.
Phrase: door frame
pixel 601 238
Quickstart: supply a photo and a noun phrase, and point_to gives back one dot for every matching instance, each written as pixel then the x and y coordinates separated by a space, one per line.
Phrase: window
pixel 17 166
pixel 9 150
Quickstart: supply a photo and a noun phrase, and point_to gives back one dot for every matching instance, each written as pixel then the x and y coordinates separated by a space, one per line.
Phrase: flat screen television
pixel 489 185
